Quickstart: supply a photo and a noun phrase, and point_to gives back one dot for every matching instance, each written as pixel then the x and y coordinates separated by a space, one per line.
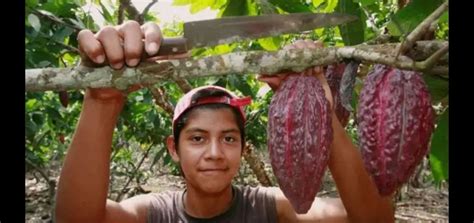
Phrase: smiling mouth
pixel 213 170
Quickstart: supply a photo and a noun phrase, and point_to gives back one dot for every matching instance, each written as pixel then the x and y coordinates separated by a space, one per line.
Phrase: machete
pixel 225 30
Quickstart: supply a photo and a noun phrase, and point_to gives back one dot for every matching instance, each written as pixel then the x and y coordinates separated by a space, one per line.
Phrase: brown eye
pixel 229 139
pixel 197 139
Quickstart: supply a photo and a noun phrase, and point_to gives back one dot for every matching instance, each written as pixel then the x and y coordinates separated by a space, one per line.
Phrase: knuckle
pixel 133 53
pixel 153 35
pixel 106 31
pixel 115 60
pixel 94 50
pixel 132 24
pixel 83 33
pixel 151 25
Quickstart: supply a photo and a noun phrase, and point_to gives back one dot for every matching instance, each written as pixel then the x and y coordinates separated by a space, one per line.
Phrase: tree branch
pixel 420 30
pixel 431 61
pixel 256 165
pixel 147 8
pixel 130 178
pixel 183 84
pixel 161 99
pixel 51 183
pixel 56 20
pixel 131 11
pixel 254 62
pixel 68 47
pixel 120 14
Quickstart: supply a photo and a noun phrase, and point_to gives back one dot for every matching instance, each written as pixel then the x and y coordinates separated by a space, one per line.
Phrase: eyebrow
pixel 231 130
pixel 196 129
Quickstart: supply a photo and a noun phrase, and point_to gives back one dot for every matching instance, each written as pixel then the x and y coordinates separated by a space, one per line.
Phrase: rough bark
pixel 249 62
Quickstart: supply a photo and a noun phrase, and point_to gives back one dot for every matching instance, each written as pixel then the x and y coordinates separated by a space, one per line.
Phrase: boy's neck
pixel 204 205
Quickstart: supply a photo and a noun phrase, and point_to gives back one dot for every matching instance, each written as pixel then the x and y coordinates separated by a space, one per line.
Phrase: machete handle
pixel 168 47
pixel 173 46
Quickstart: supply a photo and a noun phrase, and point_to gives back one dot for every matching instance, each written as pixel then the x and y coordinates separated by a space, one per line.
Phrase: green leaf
pixel 38 119
pixel 237 81
pixel 106 14
pixel 31 103
pixel 198 6
pixel 181 2
pixel 251 7
pixel 32 3
pixel 158 156
pixel 44 63
pixel 218 4
pixel 317 3
pixel 78 23
pixel 62 33
pixel 444 17
pixel 235 8
pixel 366 2
pixel 331 5
pixel 439 149
pixel 166 159
pixel 291 6
pixel 405 20
pixel 34 22
pixel 439 88
pixel 270 43
pixel 352 33
pixel 222 49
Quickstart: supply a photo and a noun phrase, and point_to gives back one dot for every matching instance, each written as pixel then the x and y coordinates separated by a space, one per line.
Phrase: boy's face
pixel 209 149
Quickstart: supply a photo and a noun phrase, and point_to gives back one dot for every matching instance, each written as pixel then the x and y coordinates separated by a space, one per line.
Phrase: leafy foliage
pixel 51 28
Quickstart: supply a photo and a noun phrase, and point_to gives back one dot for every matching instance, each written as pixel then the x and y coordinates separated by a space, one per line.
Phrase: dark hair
pixel 181 121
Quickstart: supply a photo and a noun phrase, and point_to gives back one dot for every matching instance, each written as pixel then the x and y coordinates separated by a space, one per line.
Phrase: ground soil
pixel 424 203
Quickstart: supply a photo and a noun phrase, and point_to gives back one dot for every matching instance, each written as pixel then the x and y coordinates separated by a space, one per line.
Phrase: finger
pixel 327 90
pixel 300 44
pixel 318 70
pixel 90 46
pixel 273 81
pixel 322 79
pixel 170 57
pixel 111 41
pixel 153 36
pixel 289 47
pixel 132 42
pixel 310 44
pixel 319 44
pixel 133 88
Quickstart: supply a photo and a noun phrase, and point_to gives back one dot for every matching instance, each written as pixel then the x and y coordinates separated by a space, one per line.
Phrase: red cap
pixel 186 102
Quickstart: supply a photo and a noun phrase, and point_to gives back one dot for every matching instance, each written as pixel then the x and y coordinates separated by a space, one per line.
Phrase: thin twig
pixel 161 99
pixel 121 9
pixel 132 11
pixel 56 20
pixel 51 183
pixel 183 84
pixel 70 48
pixel 433 59
pixel 257 166
pixel 147 8
pixel 119 196
pixel 420 30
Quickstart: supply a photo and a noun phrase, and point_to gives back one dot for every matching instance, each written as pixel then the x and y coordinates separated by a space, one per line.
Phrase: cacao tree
pixel 51 28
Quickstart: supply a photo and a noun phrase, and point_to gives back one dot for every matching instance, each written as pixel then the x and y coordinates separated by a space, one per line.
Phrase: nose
pixel 214 151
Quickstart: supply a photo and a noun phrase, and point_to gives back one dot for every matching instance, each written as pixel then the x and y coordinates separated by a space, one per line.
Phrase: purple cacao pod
pixel 333 76
pixel 396 121
pixel 299 138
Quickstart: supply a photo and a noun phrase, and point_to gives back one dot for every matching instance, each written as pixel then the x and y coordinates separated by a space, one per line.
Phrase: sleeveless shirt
pixel 249 204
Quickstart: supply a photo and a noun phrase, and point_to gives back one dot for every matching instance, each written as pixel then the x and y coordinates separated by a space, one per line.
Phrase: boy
pixel 207 142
